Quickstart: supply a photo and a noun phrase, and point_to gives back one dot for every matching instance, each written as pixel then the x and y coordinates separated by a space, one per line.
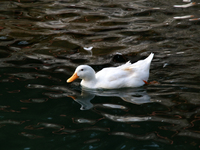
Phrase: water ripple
pixel 42 42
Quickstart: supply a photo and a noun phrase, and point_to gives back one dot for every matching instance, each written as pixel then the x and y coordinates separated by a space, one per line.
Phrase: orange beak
pixel 72 78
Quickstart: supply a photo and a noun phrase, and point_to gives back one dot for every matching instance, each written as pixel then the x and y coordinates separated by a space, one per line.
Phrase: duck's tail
pixel 143 63
pixel 149 58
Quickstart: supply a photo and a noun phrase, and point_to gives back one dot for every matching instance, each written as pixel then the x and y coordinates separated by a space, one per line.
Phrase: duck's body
pixel 127 75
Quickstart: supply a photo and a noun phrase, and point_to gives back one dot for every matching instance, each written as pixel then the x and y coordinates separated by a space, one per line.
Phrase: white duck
pixel 127 75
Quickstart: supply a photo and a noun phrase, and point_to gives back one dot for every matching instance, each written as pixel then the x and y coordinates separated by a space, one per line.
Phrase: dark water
pixel 42 42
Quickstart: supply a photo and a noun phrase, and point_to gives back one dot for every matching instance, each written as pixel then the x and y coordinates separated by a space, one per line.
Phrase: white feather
pixel 127 75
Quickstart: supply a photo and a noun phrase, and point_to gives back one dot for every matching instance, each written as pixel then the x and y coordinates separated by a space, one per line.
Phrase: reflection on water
pixel 42 42
pixel 135 96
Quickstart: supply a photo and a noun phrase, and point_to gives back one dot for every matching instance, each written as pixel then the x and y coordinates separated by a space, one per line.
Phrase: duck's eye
pixel 81 69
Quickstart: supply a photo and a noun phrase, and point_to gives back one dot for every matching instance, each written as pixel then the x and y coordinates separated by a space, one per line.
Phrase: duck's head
pixel 84 72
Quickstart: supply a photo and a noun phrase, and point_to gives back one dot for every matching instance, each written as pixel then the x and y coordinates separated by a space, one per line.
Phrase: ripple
pixel 185 5
pixel 82 120
pixel 114 106
pixel 41 43
pixel 30 136
pixel 151 136
pixel 43 125
pixel 11 122
pixel 38 100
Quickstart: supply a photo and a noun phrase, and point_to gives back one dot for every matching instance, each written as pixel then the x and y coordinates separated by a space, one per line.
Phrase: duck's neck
pixel 89 81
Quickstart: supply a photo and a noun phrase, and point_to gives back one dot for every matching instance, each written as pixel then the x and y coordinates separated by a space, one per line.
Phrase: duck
pixel 127 75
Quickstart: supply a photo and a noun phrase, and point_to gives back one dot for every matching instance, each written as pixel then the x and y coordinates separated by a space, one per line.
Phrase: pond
pixel 41 44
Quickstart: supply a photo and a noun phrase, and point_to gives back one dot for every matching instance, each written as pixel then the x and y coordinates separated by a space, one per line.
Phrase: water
pixel 42 42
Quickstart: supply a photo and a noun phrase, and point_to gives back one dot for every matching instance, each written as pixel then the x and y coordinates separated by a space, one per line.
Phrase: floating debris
pixel 88 48
pixel 166 64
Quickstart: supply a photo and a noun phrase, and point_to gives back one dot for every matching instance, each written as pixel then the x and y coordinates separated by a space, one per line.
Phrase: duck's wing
pixel 127 75
pixel 111 74
pixel 114 77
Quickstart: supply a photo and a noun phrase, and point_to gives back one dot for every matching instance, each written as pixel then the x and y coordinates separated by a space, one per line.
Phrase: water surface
pixel 41 44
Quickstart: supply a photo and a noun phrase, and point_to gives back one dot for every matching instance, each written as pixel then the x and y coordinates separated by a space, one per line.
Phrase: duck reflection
pixel 134 96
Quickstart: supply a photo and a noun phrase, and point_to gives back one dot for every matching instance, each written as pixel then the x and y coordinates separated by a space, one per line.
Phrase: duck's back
pixel 127 75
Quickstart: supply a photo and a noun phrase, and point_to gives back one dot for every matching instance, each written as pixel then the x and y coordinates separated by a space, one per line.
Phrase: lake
pixel 41 44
